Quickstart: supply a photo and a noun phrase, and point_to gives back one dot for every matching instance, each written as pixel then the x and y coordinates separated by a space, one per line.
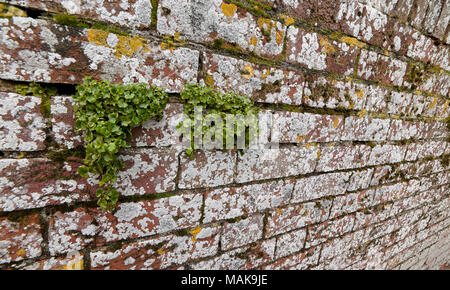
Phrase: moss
pixel 71 20
pixel 415 74
pixel 256 8
pixel 61 156
pixel 219 43
pixel 43 92
pixel 325 91
pixel 154 13
pixel 274 87
pixel 7 11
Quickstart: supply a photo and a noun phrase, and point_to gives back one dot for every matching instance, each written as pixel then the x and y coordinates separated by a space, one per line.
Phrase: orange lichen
pixel 228 9
pixel 353 41
pixel 126 45
pixel 195 232
pixel 249 72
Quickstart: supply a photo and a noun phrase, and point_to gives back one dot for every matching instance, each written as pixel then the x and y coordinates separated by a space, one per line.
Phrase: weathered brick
pixel 270 163
pixel 22 123
pixel 297 216
pixel 320 53
pixel 360 179
pixel 158 253
pixel 147 171
pixel 71 262
pixel 20 239
pixel 365 129
pixel 321 92
pixel 242 232
pixel 38 182
pixel 129 13
pixel 37 51
pixel 144 218
pixel 70 231
pixel 304 128
pixel 217 20
pixel 319 186
pixel 262 83
pixel 240 259
pixel 400 103
pixel 299 261
pixel 290 243
pixel 382 154
pixel 380 68
pixel 352 202
pixel 320 233
pixel 63 122
pixel 207 169
pixel 233 202
pixel 343 157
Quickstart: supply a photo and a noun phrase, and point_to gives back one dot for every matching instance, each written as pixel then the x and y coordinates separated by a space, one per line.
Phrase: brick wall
pixel 360 90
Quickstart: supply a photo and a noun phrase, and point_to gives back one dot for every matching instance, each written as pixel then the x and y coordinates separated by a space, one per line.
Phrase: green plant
pixel 214 102
pixel 38 91
pixel 106 113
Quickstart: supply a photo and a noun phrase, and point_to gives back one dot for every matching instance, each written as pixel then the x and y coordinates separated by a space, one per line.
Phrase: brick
pixel 42 56
pixel 269 163
pixel 242 232
pixel 39 182
pixel 158 253
pixel 400 103
pixel 144 218
pixel 404 130
pixel 299 261
pixel 20 239
pixel 444 18
pixel 436 83
pixel 71 231
pixel 22 123
pixel 63 123
pixel 147 171
pixel 297 216
pixel 129 13
pixel 319 53
pixel 290 243
pixel 380 68
pixel 233 202
pixel 360 179
pixel 383 154
pixel 320 233
pixel 240 259
pixel 342 157
pixel 319 186
pixel 351 202
pixel 365 129
pixel 216 20
pixel 262 83
pixel 321 92
pixel 71 262
pixel 207 169
pixel 304 128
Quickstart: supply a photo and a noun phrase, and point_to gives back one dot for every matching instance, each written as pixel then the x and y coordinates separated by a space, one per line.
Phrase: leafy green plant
pixel 38 91
pixel 106 113
pixel 214 102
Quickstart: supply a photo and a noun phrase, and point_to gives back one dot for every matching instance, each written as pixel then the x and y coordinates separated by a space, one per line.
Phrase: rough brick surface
pixel 352 166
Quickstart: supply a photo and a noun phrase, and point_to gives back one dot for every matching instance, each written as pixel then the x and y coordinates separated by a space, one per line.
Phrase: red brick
pixel 297 216
pixel 227 203
pixel 22 123
pixel 320 233
pixel 207 169
pixel 157 253
pixel 242 232
pixel 41 55
pixel 380 68
pixel 20 239
pixel 319 186
pixel 343 157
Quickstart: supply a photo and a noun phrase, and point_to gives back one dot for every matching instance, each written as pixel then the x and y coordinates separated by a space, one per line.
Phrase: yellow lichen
pixel 287 19
pixel 265 73
pixel 21 252
pixel 362 113
pixel 300 138
pixel 335 122
pixel 161 251
pixel 195 232
pixel 10 11
pixel 279 211
pixel 249 72
pixel 353 41
pixel 126 45
pixel 76 264
pixel 253 41
pixel 228 9
pixel 279 37
pixel 22 154
pixel 209 80
pixel 326 47
pixel 360 94
pixel 433 103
